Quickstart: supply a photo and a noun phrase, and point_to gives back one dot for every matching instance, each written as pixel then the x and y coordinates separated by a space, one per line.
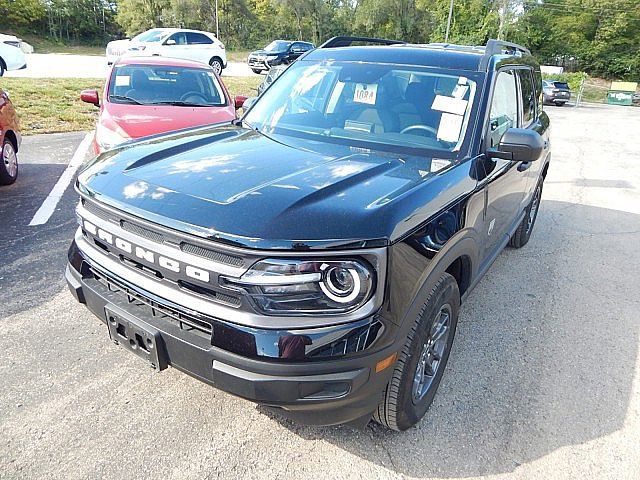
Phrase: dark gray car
pixel 555 92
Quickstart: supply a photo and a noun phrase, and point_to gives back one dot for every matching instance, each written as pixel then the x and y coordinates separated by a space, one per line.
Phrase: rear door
pixel 200 47
pixel 507 181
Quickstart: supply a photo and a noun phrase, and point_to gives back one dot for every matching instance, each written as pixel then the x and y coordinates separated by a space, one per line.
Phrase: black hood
pixel 237 185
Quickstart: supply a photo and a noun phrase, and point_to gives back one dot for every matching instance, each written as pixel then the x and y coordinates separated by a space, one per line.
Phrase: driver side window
pixel 504 107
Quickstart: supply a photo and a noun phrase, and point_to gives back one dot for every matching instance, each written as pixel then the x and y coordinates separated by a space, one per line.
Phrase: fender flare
pixel 461 245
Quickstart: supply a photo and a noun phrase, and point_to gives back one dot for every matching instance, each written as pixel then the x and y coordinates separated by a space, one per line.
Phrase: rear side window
pixel 198 39
pixel 528 97
pixel 504 107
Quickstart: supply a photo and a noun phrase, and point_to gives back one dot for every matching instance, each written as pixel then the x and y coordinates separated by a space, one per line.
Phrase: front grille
pixel 97 211
pixel 212 254
pixel 141 231
pixel 158 237
pixel 184 321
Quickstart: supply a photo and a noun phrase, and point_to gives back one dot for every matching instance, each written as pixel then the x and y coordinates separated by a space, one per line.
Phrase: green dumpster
pixel 619 97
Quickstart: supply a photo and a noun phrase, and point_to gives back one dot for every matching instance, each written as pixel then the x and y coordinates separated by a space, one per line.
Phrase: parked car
pixel 147 96
pixel 555 92
pixel 11 55
pixel 278 52
pixel 9 140
pixel 185 44
pixel 272 74
pixel 313 255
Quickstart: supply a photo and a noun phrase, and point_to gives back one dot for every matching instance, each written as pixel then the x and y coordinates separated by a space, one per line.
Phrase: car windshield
pixel 277 46
pixel 150 36
pixel 380 106
pixel 165 85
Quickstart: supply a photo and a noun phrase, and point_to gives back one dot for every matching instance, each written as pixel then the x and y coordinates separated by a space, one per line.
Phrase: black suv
pixel 278 52
pixel 312 256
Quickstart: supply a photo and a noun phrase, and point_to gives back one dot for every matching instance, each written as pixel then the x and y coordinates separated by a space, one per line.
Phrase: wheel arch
pixel 13 138
pixel 459 258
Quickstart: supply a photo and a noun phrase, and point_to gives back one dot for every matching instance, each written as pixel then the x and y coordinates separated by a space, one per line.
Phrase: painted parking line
pixel 49 205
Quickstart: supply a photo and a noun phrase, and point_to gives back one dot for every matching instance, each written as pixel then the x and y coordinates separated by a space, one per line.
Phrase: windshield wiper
pixel 125 98
pixel 179 103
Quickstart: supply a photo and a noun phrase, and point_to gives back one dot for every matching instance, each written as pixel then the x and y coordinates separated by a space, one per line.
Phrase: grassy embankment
pixel 51 105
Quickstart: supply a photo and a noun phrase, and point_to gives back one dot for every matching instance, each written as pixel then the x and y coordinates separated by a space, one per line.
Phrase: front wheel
pixel 216 64
pixel 522 234
pixel 8 163
pixel 1 67
pixel 256 70
pixel 422 360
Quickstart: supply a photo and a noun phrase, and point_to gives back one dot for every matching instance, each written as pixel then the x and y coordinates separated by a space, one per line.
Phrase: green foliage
pixel 574 79
pixel 601 37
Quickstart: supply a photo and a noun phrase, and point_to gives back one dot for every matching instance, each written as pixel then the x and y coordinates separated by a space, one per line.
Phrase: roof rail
pixel 348 41
pixel 499 46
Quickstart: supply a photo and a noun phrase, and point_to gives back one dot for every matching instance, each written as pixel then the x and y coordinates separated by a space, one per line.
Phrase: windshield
pixel 277 46
pixel 164 85
pixel 153 35
pixel 378 105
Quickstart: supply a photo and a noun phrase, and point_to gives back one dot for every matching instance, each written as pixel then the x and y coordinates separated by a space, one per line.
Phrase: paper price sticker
pixel 365 93
pixel 122 80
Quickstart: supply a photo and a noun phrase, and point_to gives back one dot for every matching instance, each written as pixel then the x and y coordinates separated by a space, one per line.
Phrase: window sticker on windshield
pixel 459 91
pixel 122 80
pixel 449 128
pixel 438 164
pixel 365 93
pixel 453 105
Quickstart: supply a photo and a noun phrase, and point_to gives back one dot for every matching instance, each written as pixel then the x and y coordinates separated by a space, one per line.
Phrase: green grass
pixel 47 45
pixel 52 105
pixel 237 55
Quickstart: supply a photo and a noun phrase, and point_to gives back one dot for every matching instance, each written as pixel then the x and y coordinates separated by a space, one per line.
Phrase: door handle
pixel 546 144
pixel 524 166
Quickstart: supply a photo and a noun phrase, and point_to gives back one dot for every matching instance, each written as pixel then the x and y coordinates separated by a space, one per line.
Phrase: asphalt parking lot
pixel 543 381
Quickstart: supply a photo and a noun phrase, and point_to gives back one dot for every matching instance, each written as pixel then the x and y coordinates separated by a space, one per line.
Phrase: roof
pixel 438 55
pixel 160 61
pixel 404 54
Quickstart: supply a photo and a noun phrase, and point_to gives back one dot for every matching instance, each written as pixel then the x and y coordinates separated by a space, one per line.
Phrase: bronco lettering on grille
pixel 147 255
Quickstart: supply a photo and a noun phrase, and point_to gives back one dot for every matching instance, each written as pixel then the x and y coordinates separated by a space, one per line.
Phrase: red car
pixel 9 140
pixel 146 96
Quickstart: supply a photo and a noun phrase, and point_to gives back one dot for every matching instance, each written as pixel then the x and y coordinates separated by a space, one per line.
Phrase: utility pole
pixel 446 36
pixel 217 23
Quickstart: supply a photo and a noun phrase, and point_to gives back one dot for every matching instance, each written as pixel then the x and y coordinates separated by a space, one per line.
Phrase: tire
pixel 559 104
pixel 522 234
pixel 216 64
pixel 406 399
pixel 1 67
pixel 256 70
pixel 8 163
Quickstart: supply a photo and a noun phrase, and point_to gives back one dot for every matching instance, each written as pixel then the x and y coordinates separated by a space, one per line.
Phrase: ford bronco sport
pixel 312 256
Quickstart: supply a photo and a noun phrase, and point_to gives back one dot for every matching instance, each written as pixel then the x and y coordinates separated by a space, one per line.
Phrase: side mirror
pixel 239 101
pixel 90 96
pixel 518 145
pixel 170 42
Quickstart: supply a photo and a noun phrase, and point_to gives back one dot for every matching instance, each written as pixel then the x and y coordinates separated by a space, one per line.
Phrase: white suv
pixel 186 44
pixel 11 55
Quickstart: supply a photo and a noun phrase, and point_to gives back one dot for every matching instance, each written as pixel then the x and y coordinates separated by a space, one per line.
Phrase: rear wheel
pixel 522 234
pixel 423 358
pixel 8 163
pixel 216 64
pixel 559 104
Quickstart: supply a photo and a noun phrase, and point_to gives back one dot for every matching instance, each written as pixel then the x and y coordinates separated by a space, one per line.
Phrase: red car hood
pixel 142 120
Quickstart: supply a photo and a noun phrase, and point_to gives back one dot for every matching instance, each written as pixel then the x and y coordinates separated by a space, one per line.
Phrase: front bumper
pixel 318 392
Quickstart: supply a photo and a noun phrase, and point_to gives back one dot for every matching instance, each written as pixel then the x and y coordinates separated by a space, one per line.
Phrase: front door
pixel 507 181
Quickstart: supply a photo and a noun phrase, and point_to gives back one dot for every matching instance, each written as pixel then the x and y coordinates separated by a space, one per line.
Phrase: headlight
pixel 290 287
pixel 107 139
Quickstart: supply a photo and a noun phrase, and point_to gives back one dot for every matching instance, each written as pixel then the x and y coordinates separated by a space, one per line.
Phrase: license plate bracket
pixel 136 336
